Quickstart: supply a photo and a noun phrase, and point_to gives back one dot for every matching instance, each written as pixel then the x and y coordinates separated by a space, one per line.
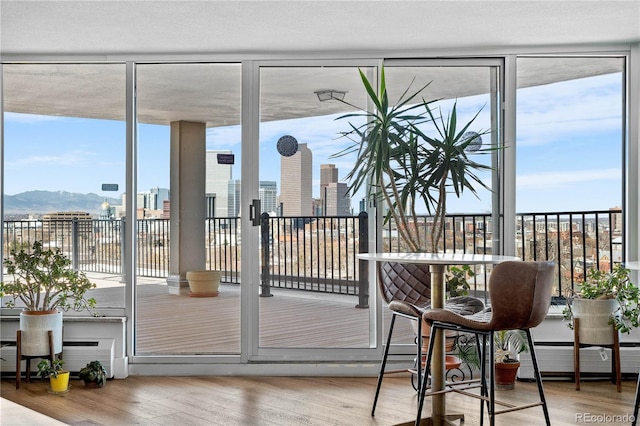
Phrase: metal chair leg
pixel 637 403
pixel 425 375
pixel 538 378
pixel 383 364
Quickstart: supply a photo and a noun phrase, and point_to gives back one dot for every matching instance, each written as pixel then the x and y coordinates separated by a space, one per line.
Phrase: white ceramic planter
pixel 594 316
pixel 203 283
pixel 35 326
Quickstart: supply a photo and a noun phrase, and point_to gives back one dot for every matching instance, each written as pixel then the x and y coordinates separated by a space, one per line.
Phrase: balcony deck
pixel 171 324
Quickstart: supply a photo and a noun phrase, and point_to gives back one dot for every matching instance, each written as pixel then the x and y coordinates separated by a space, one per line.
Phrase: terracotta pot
pixel 203 283
pixel 506 374
pixel 450 337
pixel 35 326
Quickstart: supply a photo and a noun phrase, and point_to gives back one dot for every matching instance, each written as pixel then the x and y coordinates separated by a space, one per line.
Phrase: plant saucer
pixel 58 393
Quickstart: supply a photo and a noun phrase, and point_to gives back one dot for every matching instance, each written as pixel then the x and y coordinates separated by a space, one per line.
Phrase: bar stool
pixel 406 288
pixel 520 294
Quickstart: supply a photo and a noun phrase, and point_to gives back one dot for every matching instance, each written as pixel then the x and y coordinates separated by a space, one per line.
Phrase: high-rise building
pixel 328 174
pixel 337 201
pixel 217 185
pixel 234 198
pixel 159 197
pixel 296 182
pixel 268 196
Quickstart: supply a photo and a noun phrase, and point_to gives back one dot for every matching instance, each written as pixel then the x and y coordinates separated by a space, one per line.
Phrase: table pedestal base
pixel 448 419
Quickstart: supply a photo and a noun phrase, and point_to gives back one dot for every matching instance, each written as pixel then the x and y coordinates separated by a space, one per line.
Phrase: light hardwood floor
pixel 298 401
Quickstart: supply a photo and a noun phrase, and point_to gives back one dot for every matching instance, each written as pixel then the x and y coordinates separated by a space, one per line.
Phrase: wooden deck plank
pixel 171 324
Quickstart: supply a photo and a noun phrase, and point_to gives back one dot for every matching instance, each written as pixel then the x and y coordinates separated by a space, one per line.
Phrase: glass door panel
pixel 473 90
pixel 311 296
pixel 169 324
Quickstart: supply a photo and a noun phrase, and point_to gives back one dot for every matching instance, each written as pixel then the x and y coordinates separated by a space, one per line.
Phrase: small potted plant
pixel 605 299
pixel 58 377
pixel 93 373
pixel 508 344
pixel 44 284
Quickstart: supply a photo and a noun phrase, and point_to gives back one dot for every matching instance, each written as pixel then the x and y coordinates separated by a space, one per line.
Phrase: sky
pixel 568 149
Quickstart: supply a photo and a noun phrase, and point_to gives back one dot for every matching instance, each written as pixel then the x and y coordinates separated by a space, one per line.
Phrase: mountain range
pixel 39 202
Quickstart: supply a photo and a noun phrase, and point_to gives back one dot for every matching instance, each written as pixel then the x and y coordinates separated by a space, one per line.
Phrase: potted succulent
pixel 58 377
pixel 603 300
pixel 508 344
pixel 93 373
pixel 44 285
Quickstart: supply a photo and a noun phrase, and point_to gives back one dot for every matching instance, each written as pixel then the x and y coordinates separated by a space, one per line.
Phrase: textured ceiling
pixel 232 30
pixel 268 27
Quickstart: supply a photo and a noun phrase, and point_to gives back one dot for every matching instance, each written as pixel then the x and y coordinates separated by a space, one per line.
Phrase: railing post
pixel 265 283
pixel 74 244
pixel 363 265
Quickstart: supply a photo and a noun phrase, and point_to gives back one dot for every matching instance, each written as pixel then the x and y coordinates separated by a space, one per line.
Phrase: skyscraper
pixel 337 201
pixel 296 182
pixel 217 184
pixel 328 174
pixel 268 196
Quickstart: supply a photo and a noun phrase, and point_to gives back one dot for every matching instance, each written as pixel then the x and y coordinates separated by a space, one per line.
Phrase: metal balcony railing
pixel 319 253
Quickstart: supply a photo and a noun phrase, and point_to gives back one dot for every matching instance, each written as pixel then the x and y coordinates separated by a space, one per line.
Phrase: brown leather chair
pixel 520 295
pixel 406 288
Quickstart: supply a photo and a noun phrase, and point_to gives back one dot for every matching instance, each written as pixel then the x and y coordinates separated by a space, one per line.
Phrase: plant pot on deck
pixel 203 283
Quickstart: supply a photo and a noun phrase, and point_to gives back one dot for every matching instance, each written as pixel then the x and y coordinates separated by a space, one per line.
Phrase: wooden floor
pixel 245 401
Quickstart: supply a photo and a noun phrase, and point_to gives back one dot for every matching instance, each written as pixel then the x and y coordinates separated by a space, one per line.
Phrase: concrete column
pixel 187 227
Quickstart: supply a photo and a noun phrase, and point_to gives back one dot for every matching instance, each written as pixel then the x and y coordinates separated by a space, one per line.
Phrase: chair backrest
pixel 404 282
pixel 520 294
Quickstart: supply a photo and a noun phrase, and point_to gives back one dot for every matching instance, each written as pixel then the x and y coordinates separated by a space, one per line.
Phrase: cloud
pixel 555 179
pixel 72 158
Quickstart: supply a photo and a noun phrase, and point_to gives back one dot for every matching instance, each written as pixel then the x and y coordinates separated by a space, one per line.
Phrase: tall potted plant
pixel 406 167
pixel 410 156
pixel 45 285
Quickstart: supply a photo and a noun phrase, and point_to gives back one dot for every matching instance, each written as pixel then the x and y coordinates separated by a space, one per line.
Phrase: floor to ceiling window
pixel 570 144
pixel 202 93
pixel 64 166
pixel 64 183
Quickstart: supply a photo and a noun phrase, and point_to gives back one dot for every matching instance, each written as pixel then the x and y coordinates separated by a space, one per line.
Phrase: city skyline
pixel 569 154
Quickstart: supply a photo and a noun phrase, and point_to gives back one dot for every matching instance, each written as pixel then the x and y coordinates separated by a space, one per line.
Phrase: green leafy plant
pixel 403 165
pixel 43 280
pixel 93 372
pixel 456 280
pixel 610 285
pixel 50 369
pixel 509 343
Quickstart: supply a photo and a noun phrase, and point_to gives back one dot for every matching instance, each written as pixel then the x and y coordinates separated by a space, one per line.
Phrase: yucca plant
pixel 406 167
